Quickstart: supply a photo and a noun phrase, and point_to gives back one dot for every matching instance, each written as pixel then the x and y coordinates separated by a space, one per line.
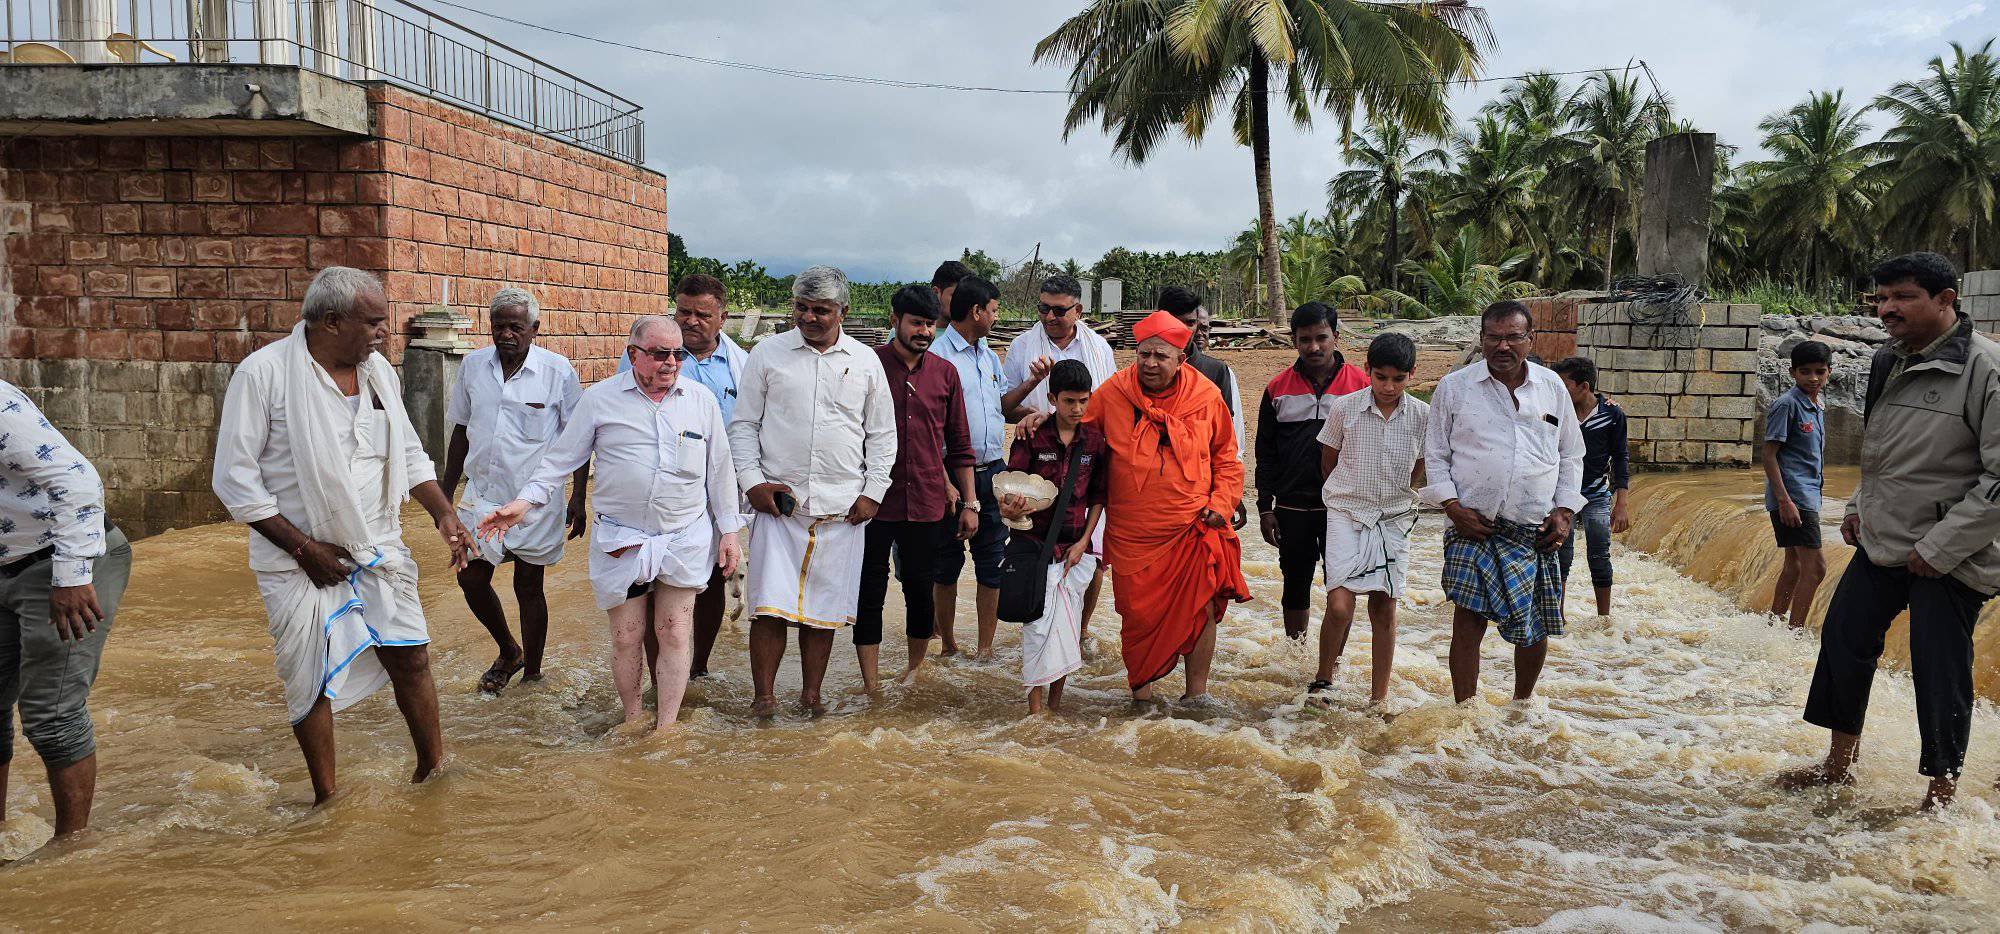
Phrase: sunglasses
pixel 1058 310
pixel 672 355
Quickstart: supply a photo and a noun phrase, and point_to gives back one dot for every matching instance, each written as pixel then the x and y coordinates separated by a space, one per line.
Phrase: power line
pixel 879 81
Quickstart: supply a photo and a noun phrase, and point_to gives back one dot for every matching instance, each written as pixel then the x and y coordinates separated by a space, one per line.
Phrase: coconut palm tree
pixel 1456 281
pixel 1812 207
pixel 1941 155
pixel 1387 164
pixel 1149 68
pixel 1600 161
pixel 1493 182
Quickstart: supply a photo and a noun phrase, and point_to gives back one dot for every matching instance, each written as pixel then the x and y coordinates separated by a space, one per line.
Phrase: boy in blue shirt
pixel 1794 437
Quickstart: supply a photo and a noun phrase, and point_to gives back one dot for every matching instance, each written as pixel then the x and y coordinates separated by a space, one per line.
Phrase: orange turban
pixel 1162 325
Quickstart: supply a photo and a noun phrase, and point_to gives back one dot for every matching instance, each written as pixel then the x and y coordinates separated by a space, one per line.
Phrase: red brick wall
pixel 137 270
pixel 198 250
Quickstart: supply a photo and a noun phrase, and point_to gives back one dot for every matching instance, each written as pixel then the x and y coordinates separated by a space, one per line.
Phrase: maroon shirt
pixel 932 437
pixel 1044 455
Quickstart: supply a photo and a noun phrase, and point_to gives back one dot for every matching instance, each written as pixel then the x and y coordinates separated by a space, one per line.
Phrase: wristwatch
pixel 970 504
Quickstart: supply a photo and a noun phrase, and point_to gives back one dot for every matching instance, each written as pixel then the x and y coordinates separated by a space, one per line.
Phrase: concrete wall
pixel 139 270
pixel 1980 299
pixel 1689 389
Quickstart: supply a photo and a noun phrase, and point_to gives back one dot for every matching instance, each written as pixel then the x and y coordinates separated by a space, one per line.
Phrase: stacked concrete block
pixel 1980 299
pixel 1688 382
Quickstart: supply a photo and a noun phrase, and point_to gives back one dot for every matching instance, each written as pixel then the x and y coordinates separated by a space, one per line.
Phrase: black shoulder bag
pixel 1024 570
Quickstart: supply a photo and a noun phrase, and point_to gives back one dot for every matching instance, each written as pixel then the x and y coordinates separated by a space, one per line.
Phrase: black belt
pixel 13 569
pixel 992 465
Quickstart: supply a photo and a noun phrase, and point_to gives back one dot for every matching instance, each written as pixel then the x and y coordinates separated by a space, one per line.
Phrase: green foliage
pixel 1456 280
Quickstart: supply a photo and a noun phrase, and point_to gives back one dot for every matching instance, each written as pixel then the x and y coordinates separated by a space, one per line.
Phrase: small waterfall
pixel 1712 525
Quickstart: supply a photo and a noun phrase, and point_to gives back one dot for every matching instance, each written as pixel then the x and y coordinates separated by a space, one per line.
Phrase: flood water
pixel 1632 795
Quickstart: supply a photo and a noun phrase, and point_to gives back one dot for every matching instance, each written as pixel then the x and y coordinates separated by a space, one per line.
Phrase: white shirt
pixel 1086 346
pixel 1517 463
pixel 509 421
pixel 819 422
pixel 1377 455
pixel 660 466
pixel 50 496
pixel 255 477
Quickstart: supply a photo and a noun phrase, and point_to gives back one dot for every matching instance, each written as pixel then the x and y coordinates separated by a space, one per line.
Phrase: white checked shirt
pixel 1377 455
pixel 510 422
pixel 821 423
pixel 1500 460
pixel 660 466
pixel 49 495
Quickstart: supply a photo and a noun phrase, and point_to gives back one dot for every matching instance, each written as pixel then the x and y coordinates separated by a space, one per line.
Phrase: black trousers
pixel 1301 549
pixel 917 551
pixel 1942 614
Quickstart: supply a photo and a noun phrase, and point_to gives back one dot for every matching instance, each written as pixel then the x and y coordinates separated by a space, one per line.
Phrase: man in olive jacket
pixel 1923 522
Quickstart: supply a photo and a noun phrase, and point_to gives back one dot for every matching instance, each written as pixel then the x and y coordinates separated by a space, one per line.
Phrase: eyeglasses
pixel 1057 310
pixel 664 355
pixel 1521 338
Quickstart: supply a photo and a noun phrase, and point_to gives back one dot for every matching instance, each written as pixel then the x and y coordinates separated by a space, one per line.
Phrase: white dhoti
pixel 683 557
pixel 1368 557
pixel 537 539
pixel 806 570
pixel 325 637
pixel 1052 647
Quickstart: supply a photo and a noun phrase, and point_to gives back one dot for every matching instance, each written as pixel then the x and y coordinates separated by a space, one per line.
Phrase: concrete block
pixel 184 377
pixel 1641 451
pixel 1714 429
pixel 1744 407
pixel 24 374
pixel 1725 338
pixel 1664 384
pixel 1679 452
pixel 1715 384
pixel 106 409
pixel 1667 337
pixel 1612 381
pixel 1733 361
pixel 1690 407
pixel 1748 316
pixel 66 408
pixel 1665 429
pixel 125 376
pixel 1644 406
pixel 1982 282
pixel 1692 361
pixel 65 373
pixel 1635 428
pixel 1730 455
pixel 1632 360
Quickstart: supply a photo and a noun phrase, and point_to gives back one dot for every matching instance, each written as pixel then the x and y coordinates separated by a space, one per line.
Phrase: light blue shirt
pixel 979 375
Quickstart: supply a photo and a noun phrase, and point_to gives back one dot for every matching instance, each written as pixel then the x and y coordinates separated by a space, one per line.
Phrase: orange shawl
pixel 1171 457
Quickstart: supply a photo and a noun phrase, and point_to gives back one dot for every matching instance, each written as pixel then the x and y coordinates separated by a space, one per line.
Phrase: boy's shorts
pixel 1805 536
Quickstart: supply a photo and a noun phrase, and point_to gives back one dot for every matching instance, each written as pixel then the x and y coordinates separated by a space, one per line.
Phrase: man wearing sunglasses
pixel 666 503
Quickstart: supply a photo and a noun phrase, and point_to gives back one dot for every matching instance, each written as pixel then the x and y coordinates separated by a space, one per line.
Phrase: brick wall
pixel 1689 389
pixel 1555 326
pixel 138 270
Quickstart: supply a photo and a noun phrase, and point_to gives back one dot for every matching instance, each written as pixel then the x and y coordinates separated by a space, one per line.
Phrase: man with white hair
pixel 316 453
pixel 666 508
pixel 815 445
pixel 510 402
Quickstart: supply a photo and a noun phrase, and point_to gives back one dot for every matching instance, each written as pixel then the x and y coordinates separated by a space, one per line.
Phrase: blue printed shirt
pixel 50 496
pixel 979 376
pixel 1798 425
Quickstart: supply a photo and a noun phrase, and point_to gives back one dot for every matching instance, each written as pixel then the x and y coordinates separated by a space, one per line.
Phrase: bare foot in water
pixel 764 708
pixel 949 651
pixel 1940 794
pixel 1817 775
pixel 908 678
pixel 425 773
pixel 812 705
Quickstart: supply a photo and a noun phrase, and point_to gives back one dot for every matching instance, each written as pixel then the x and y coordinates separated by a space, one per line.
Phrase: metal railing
pixel 360 40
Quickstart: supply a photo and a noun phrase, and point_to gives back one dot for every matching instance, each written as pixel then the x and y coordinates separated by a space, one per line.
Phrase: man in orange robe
pixel 1175 480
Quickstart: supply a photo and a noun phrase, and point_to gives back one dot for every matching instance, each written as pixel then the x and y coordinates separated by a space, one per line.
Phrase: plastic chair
pixel 37 53
pixel 125 47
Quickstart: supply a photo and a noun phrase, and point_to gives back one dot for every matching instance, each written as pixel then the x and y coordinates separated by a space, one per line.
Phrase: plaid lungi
pixel 1507 581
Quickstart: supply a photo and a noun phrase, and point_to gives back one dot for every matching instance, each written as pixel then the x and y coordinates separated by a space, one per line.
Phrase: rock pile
pixel 1853 338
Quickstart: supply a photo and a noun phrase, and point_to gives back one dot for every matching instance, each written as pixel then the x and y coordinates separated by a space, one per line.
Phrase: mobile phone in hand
pixel 785 502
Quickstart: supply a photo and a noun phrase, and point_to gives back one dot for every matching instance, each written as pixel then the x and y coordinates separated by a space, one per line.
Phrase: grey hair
pixel 821 284
pixel 644 323
pixel 516 298
pixel 334 290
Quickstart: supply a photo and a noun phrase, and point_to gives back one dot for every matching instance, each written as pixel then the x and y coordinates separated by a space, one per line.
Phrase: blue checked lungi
pixel 1507 581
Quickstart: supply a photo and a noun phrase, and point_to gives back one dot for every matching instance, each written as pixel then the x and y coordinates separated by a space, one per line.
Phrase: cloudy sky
pixel 886 182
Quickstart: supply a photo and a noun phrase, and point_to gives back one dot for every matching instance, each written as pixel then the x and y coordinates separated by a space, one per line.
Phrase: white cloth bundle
pixel 1052 647
pixel 683 557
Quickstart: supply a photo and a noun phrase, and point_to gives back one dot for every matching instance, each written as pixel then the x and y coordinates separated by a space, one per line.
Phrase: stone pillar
pixel 430 369
pixel 1980 299
pixel 84 25
pixel 1113 297
pixel 1674 209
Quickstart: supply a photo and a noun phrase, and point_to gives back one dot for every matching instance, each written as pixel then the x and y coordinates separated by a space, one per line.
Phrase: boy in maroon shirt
pixel 1051 647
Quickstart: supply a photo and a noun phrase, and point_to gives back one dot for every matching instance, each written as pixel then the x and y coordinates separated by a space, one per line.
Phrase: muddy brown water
pixel 1632 795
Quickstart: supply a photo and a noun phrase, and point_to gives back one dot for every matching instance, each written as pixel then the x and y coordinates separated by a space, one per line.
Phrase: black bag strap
pixel 1062 501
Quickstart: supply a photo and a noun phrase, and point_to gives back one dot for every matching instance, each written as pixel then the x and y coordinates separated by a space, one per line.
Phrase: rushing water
pixel 1633 794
